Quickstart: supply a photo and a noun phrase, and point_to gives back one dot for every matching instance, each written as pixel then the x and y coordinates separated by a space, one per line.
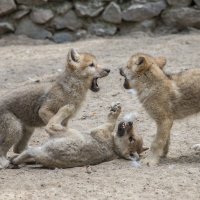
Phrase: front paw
pixel 52 128
pixel 150 160
pixel 115 109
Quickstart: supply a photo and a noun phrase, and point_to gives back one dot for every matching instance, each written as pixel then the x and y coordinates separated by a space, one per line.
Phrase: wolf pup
pixel 165 97
pixel 74 148
pixel 33 106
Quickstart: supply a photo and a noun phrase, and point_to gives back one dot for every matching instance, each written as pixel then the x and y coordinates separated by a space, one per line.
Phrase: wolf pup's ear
pixel 161 61
pixel 142 65
pixel 73 58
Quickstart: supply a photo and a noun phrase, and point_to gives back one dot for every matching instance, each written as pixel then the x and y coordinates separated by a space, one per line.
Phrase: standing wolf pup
pixel 165 97
pixel 33 106
pixel 75 149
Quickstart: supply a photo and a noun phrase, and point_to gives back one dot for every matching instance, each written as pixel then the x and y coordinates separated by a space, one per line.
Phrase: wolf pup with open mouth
pixel 74 149
pixel 165 97
pixel 34 105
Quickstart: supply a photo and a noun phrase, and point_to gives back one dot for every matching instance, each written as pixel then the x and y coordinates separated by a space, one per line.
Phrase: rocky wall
pixel 61 21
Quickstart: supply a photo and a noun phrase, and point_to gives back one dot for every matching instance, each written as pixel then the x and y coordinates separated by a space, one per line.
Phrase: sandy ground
pixel 177 177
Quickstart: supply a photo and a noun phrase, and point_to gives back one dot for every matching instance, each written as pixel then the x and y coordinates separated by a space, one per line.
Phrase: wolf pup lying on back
pixel 165 97
pixel 75 149
pixel 33 106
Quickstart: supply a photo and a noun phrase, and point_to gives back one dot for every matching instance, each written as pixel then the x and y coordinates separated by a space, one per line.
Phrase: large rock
pixel 7 7
pixel 62 37
pixel 102 29
pixel 148 25
pixel 6 27
pixel 89 8
pixel 69 20
pixel 28 28
pixel 112 13
pixel 182 17
pixel 140 12
pixel 178 3
pixel 22 11
pixel 41 16
pixel 32 2
pixel 63 8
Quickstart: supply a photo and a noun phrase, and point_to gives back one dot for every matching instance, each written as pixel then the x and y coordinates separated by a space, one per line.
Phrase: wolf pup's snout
pixel 121 129
pixel 126 82
pixel 107 71
pixel 122 72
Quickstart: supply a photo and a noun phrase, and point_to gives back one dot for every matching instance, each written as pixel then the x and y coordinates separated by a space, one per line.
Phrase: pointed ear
pixel 142 65
pixel 73 56
pixel 161 61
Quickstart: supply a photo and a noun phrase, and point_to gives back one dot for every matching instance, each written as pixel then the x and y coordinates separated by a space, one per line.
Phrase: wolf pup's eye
pixel 91 65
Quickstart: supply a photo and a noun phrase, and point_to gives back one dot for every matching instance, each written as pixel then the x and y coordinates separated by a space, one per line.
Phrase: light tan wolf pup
pixel 33 106
pixel 165 97
pixel 75 149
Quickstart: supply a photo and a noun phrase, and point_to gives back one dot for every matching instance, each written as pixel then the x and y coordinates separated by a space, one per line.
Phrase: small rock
pixel 6 27
pixel 23 11
pixel 182 17
pixel 63 8
pixel 81 34
pixel 140 12
pixel 41 16
pixel 112 13
pixel 69 20
pixel 32 2
pixel 148 25
pixel 63 37
pixel 7 7
pixel 178 3
pixel 89 8
pixel 102 29
pixel 28 28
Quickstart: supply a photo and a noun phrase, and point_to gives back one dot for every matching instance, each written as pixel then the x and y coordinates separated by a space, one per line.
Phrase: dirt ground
pixel 177 177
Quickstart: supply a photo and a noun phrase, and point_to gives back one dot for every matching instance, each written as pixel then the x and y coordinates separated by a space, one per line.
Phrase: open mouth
pixel 126 82
pixel 94 86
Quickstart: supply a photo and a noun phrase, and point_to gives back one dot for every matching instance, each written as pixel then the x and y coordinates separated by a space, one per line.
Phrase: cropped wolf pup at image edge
pixel 75 149
pixel 34 105
pixel 165 97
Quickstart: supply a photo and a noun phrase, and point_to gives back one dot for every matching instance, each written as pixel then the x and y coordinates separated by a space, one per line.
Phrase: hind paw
pixel 4 163
pixel 54 128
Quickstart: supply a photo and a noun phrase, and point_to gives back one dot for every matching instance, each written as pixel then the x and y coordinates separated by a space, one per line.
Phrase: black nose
pixel 122 72
pixel 107 70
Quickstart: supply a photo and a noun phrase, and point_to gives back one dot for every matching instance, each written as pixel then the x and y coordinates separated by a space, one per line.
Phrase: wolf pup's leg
pixel 26 155
pixel 22 144
pixel 113 115
pixel 56 122
pixel 166 148
pixel 10 133
pixel 158 145
pixel 109 126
